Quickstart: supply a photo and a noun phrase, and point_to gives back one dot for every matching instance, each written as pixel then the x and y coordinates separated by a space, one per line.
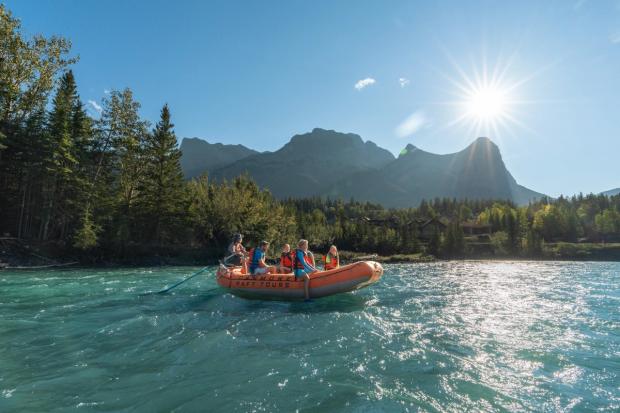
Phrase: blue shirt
pixel 257 257
pixel 299 255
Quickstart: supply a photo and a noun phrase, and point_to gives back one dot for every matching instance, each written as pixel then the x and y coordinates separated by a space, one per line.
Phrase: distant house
pixel 470 228
pixel 428 228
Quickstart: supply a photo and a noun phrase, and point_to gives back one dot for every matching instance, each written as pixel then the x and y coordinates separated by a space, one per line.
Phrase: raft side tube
pixel 285 286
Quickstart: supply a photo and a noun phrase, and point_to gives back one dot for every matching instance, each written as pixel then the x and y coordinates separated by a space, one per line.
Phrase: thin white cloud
pixel 615 37
pixel 412 124
pixel 362 83
pixel 95 106
pixel 106 91
pixel 403 81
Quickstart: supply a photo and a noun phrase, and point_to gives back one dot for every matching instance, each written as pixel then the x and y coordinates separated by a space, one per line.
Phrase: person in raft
pixel 257 260
pixel 235 252
pixel 302 266
pixel 331 259
pixel 311 258
pixel 286 260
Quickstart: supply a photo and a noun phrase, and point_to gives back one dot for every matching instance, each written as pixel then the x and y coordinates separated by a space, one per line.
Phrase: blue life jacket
pixel 257 255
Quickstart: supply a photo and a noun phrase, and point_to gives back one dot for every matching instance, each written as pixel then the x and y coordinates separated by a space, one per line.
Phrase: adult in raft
pixel 235 253
pixel 302 266
pixel 332 261
pixel 257 260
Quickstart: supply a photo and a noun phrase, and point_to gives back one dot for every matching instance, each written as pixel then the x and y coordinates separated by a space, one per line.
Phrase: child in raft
pixel 332 260
pixel 286 260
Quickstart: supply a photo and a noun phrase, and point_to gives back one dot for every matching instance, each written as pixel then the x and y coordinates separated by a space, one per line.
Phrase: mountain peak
pixel 408 149
pixel 325 136
pixel 200 156
pixel 483 146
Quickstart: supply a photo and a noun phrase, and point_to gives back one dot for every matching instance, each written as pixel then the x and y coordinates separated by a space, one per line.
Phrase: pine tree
pixel 86 236
pixel 121 139
pixel 434 244
pixel 61 161
pixel 162 196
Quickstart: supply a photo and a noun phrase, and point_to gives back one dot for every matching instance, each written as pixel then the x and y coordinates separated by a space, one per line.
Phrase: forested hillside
pixel 111 188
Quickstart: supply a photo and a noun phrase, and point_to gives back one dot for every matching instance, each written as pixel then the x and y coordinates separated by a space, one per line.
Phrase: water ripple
pixel 447 337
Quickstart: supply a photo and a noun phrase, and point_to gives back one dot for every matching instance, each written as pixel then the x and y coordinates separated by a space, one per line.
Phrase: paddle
pixel 165 290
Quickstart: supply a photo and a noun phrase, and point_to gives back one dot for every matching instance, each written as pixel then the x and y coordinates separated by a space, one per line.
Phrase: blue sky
pixel 258 72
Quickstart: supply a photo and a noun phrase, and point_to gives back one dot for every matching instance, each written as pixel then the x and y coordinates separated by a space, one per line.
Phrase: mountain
pixel 611 192
pixel 341 165
pixel 310 163
pixel 200 156
pixel 477 172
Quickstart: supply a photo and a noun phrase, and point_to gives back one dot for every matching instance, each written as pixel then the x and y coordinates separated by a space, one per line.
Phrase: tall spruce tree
pixel 68 134
pixel 122 136
pixel 162 195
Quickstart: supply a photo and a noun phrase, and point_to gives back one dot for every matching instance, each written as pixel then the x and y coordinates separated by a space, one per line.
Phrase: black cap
pixel 238 237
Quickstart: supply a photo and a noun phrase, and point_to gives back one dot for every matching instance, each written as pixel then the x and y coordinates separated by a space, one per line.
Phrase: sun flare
pixel 487 99
pixel 486 103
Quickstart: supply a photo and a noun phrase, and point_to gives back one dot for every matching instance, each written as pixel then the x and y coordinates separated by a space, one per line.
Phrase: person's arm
pixel 307 267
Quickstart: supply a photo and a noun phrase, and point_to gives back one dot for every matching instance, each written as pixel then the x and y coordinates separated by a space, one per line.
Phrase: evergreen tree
pixel 162 189
pixel 434 243
pixel 65 183
pixel 123 136
pixel 453 244
pixel 28 70
pixel 86 236
pixel 533 243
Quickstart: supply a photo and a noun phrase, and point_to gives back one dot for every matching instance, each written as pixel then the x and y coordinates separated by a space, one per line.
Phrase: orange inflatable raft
pixel 286 287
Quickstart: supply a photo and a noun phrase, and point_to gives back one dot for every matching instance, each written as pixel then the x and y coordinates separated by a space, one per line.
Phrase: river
pixel 447 336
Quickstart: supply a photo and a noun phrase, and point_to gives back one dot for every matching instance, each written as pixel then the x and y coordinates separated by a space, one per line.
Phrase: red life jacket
pixel 286 260
pixel 310 259
pixel 331 262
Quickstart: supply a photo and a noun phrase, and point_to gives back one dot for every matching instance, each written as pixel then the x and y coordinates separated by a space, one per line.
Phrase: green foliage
pixel 453 243
pixel 218 210
pixel 500 243
pixel 162 197
pixel 28 69
pixel 86 236
pixel 607 222
pixel 533 243
pixel 110 184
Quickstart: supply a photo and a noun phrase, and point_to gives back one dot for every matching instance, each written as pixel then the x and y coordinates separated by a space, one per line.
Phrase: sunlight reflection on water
pixel 448 336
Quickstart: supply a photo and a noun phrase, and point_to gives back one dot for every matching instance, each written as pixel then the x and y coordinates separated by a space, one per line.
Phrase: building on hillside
pixel 428 228
pixel 470 229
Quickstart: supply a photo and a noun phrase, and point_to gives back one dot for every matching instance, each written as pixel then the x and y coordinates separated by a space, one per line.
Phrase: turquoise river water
pixel 448 336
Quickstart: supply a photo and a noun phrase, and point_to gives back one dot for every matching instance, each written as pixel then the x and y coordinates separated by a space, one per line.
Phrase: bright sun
pixel 486 103
pixel 487 100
